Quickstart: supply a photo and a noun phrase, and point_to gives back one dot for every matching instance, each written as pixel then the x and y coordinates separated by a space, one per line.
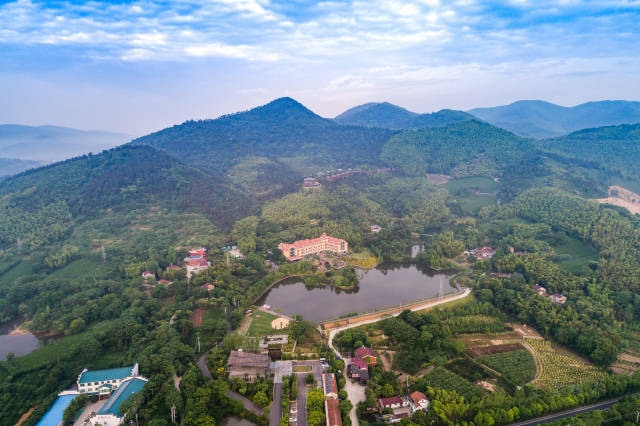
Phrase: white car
pixel 293 419
pixel 293 411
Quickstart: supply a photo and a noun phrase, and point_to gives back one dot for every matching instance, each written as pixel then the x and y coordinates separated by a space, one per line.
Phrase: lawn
pixel 261 324
pixel 518 367
pixel 480 183
pixel 574 254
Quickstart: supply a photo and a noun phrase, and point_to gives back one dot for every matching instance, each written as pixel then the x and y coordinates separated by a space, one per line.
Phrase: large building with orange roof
pixel 302 248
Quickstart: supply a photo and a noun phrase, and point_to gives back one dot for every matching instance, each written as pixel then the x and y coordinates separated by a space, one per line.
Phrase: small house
pixel 332 412
pixel 246 365
pixel 148 274
pixel 558 299
pixel 375 228
pixel 393 402
pixel 366 354
pixel 540 290
pixel 418 401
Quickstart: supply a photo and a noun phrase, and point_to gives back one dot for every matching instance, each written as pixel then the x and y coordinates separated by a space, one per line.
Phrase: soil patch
pixel 525 331
pixel 25 416
pixel 486 385
pixel 629 358
pixel 279 323
pixel 495 349
pixel 621 197
pixel 197 317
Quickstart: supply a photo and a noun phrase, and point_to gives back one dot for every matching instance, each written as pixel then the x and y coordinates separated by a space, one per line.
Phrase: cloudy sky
pixel 138 66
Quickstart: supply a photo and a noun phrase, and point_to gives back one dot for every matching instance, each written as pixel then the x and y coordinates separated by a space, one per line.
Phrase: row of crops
pixel 518 367
pixel 441 378
pixel 558 370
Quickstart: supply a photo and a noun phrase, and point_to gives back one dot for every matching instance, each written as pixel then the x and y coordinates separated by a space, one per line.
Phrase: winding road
pixel 355 391
pixel 602 405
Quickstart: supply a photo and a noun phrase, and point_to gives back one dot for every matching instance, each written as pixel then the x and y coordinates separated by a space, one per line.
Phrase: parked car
pixel 293 411
pixel 293 419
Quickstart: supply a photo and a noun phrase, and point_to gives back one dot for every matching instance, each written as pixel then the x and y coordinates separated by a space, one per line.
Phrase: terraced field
pixel 517 366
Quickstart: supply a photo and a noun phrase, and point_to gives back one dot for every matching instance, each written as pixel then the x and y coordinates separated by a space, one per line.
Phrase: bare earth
pixel 279 323
pixel 26 415
pixel 621 197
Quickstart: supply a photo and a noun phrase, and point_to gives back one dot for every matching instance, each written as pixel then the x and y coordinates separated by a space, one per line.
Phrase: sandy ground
pixel 621 197
pixel 279 323
pixel 19 332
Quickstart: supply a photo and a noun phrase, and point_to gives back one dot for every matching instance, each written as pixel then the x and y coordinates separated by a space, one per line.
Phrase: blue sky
pixel 138 66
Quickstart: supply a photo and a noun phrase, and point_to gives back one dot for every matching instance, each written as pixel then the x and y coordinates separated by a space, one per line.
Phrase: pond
pixel 19 344
pixel 385 286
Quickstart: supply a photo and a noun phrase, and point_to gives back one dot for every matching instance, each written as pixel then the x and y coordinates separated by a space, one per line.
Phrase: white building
pixel 103 382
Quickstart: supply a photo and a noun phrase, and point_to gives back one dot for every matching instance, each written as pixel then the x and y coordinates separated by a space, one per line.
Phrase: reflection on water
pixel 384 286
pixel 417 249
pixel 18 344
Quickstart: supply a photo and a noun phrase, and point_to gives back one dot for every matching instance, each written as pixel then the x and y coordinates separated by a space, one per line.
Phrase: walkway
pixel 355 391
pixel 248 404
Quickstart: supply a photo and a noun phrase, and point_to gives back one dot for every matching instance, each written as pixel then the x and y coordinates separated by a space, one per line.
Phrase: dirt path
pixel 26 415
pixel 244 325
pixel 535 359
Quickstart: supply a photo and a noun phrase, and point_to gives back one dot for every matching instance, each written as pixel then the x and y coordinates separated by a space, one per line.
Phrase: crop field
pixel 558 369
pixel 441 378
pixel 493 349
pixel 518 366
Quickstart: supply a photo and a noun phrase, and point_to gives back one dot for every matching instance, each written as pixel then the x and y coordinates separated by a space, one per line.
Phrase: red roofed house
pixel 167 282
pixel 148 274
pixel 393 402
pixel 418 401
pixel 359 369
pixel 208 286
pixel 172 267
pixel 302 248
pixel 198 252
pixel 366 354
pixel 332 412
pixel 195 264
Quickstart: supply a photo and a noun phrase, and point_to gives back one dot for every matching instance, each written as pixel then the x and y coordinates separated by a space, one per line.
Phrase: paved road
pixel 202 364
pixel 603 405
pixel 276 408
pixel 355 390
pixel 302 401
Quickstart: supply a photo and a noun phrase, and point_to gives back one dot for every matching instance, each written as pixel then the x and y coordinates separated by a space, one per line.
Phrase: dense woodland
pixel 75 237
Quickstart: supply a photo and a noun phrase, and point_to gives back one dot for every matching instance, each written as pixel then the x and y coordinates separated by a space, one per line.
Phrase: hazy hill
pixel 42 205
pixel 270 147
pixel 541 119
pixel 11 166
pixel 613 148
pixel 461 149
pixel 53 143
pixel 389 116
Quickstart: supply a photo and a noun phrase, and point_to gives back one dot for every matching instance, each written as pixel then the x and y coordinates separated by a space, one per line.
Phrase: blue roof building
pixel 109 414
pixel 102 382
pixel 53 417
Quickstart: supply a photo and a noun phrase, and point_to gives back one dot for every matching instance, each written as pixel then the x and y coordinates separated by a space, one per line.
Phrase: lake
pixel 385 286
pixel 18 344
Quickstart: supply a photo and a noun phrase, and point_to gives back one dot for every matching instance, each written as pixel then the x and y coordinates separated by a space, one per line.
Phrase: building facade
pixel 103 382
pixel 324 243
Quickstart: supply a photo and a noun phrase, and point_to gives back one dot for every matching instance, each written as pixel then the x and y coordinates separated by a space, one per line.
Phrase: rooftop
pixel 417 396
pixel 103 375
pixel 126 389
pixel 248 359
pixel 363 351
pixel 386 402
pixel 53 417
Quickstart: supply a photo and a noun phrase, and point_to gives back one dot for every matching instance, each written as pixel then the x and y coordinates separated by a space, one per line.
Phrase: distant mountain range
pixel 539 119
pixel 389 116
pixel 53 143
pixel 11 166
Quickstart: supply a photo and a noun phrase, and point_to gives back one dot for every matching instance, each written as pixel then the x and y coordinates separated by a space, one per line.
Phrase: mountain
pixel 541 119
pixel 44 205
pixel 279 142
pixel 53 143
pixel 11 166
pixel 388 116
pixel 612 148
pixel 462 149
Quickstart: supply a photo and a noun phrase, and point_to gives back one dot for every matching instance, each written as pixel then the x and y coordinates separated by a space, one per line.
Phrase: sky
pixel 140 66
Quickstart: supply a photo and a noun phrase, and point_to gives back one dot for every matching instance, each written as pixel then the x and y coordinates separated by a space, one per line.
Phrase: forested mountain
pixel 461 149
pixel 53 143
pixel 389 116
pixel 613 148
pixel 11 166
pixel 541 119
pixel 282 131
pixel 42 205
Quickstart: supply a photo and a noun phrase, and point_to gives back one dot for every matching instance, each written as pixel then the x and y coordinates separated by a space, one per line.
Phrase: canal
pixel 385 286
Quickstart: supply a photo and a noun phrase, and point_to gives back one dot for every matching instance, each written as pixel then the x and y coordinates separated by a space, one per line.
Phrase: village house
pixel 392 402
pixel 310 183
pixel 196 262
pixel 109 413
pixel 558 299
pixel 166 282
pixel 418 401
pixel 332 412
pixel 366 354
pixel 375 228
pixel 399 406
pixel 540 290
pixel 481 252
pixel 359 370
pixel 329 385
pixel 324 243
pixel 146 275
pixel 208 286
pixel 248 366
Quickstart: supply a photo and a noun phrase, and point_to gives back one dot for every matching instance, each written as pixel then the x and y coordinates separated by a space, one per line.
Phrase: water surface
pixel 18 344
pixel 385 286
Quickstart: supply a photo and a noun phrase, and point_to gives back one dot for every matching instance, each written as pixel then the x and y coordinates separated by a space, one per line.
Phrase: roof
pixel 333 411
pixel 53 417
pixel 329 383
pixel 364 374
pixel 108 374
pixel 172 266
pixel 387 402
pixel 248 359
pixel 417 396
pixel 126 389
pixel 363 351
pixel 360 363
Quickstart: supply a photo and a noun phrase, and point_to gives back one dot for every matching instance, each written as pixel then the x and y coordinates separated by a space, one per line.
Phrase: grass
pixel 579 254
pixel 559 369
pixel 466 201
pixel 452 304
pixel 481 183
pixel 82 268
pixel 261 324
pixel 21 270
pixel 518 367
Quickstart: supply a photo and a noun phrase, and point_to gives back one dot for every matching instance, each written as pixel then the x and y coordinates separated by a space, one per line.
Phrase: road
pixel 603 405
pixel 276 408
pixel 355 391
pixel 302 401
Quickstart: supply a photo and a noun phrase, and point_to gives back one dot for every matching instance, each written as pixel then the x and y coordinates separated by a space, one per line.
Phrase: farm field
pixel 559 369
pixel 441 378
pixel 517 366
